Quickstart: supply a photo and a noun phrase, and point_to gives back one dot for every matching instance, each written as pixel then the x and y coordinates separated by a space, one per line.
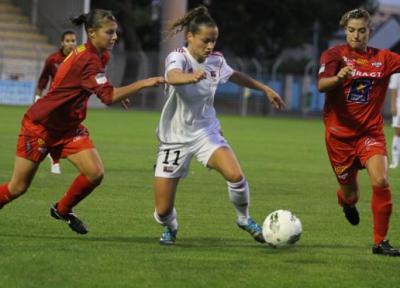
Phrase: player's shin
pixel 381 205
pixel 239 195
pixel 80 188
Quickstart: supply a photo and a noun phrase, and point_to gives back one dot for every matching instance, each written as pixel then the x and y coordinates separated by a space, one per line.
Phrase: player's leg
pixel 172 164
pixel 395 143
pixel 225 162
pixel 348 196
pixel 165 213
pixel 24 171
pixel 381 204
pixel 91 170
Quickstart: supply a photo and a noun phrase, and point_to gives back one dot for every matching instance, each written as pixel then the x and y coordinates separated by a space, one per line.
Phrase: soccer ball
pixel 282 228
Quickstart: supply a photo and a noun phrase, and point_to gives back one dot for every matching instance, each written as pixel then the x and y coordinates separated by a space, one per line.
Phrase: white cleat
pixel 393 165
pixel 55 168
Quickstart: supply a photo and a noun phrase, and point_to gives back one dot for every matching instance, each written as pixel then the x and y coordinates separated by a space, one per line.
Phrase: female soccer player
pixel 68 43
pixel 188 126
pixel 53 124
pixel 355 78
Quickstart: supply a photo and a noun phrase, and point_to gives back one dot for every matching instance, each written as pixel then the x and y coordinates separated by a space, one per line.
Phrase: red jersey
pixel 50 68
pixel 64 107
pixel 354 107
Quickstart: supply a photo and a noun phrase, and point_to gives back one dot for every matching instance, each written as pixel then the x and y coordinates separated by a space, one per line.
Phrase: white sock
pixel 169 220
pixel 239 195
pixel 395 149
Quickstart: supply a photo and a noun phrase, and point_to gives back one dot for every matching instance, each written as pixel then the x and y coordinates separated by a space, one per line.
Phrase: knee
pixel 18 188
pixel 380 181
pixel 96 176
pixel 234 176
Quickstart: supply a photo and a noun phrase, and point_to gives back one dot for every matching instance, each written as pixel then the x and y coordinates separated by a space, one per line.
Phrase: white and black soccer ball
pixel 282 228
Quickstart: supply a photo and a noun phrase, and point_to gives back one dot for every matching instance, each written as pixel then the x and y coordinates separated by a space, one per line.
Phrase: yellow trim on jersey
pixel 81 48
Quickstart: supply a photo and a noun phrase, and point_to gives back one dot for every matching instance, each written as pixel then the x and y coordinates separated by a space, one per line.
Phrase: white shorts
pixel 396 121
pixel 173 160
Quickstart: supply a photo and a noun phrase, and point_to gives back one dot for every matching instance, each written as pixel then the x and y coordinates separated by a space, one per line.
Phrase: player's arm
pixel 124 92
pixel 178 77
pixel 246 81
pixel 43 79
pixel 326 84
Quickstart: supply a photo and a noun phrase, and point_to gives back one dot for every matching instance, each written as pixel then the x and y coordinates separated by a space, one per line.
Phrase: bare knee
pixel 18 187
pixel 380 181
pixel 96 176
pixel 234 176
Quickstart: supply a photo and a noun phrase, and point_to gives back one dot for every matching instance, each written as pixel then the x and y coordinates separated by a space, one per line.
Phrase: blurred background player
pixel 394 86
pixel 53 123
pixel 189 127
pixel 355 78
pixel 68 43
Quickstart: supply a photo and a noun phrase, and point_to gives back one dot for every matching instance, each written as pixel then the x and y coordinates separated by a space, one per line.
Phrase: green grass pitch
pixel 286 165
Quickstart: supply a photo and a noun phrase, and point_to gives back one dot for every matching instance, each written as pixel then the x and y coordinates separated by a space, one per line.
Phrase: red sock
pixel 381 205
pixel 80 188
pixel 5 195
pixel 350 201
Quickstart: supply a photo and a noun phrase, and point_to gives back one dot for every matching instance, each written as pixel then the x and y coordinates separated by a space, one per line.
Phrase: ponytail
pixel 94 19
pixel 192 20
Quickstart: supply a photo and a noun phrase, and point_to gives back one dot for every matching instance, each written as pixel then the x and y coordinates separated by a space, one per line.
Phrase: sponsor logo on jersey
pixel 376 64
pixel 367 74
pixel 101 78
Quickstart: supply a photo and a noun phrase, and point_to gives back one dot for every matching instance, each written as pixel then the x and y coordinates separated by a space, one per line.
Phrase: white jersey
pixel 189 111
pixel 394 84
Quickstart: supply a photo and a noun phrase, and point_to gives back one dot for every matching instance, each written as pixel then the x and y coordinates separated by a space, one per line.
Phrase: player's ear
pixel 91 33
pixel 189 36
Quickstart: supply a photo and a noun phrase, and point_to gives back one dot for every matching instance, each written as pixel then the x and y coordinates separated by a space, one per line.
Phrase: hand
pixel 154 81
pixel 275 99
pixel 344 73
pixel 198 75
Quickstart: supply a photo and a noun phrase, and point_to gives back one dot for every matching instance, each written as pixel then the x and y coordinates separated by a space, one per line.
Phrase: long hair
pixel 192 20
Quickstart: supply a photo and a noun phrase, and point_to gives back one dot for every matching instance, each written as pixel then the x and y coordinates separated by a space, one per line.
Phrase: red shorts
pixel 348 155
pixel 35 142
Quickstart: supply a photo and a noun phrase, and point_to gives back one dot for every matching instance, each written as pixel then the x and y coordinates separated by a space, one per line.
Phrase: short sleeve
pixel 175 60
pixel 329 64
pixel 392 62
pixel 95 81
pixel 225 71
pixel 394 81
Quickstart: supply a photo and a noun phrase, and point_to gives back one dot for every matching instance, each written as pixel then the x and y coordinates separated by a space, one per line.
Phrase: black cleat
pixel 351 214
pixel 71 219
pixel 384 248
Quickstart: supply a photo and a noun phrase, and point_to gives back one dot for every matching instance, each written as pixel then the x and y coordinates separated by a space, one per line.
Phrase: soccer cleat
pixel 393 165
pixel 351 214
pixel 71 219
pixel 384 248
pixel 168 237
pixel 253 229
pixel 55 168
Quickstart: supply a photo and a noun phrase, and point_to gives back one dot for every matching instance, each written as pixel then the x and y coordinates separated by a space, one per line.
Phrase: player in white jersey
pixel 394 87
pixel 189 127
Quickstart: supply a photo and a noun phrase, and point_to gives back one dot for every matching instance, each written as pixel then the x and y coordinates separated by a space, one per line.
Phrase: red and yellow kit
pixel 352 111
pixel 56 118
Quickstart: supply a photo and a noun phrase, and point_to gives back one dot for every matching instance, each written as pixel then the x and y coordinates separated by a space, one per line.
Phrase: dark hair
pixel 355 14
pixel 94 19
pixel 192 20
pixel 67 32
